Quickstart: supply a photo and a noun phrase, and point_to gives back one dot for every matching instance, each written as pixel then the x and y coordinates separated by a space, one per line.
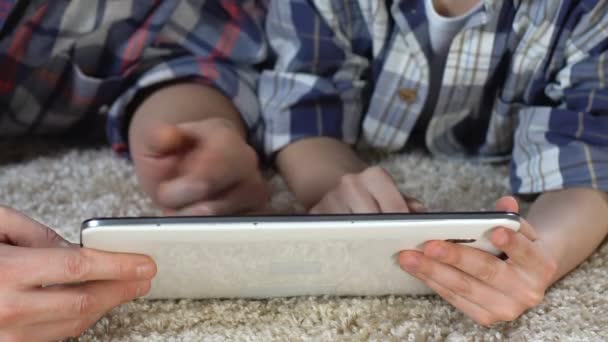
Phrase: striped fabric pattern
pixel 66 61
pixel 526 81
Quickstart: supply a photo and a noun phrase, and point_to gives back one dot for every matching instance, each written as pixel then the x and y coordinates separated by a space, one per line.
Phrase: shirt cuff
pixel 238 84
pixel 299 106
pixel 557 149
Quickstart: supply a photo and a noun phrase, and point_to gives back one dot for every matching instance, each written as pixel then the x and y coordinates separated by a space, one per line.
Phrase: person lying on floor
pixel 483 80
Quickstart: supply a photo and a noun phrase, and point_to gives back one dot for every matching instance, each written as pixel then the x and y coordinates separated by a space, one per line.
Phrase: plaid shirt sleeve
pixel 316 86
pixel 565 144
pixel 65 62
pixel 214 42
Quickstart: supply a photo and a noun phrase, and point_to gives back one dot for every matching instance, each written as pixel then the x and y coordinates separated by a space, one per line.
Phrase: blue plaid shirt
pixel 525 80
pixel 62 62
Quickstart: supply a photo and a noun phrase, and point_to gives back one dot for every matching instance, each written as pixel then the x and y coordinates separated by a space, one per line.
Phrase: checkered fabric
pixel 525 80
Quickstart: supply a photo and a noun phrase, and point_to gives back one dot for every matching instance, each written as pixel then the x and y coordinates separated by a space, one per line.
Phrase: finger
pixel 182 192
pixel 414 205
pixel 59 303
pixel 477 263
pixel 382 187
pixel 58 330
pixel 472 310
pixel 265 210
pixel 19 230
pixel 208 183
pixel 468 281
pixel 509 204
pixel 470 296
pixel 489 270
pixel 241 198
pixel 163 140
pixel 330 204
pixel 169 212
pixel 358 198
pixel 520 249
pixel 48 266
pixel 526 229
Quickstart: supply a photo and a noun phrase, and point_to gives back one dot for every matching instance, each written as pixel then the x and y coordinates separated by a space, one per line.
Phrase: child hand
pixel 202 167
pixel 371 191
pixel 482 286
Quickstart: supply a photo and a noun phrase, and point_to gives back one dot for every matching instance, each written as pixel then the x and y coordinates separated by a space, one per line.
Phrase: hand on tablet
pixel 33 256
pixel 202 167
pixel 371 191
pixel 484 287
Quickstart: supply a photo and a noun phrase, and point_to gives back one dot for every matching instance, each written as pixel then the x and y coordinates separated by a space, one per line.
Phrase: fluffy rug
pixel 61 186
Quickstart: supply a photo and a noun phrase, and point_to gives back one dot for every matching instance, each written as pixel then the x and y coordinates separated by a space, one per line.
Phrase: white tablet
pixel 276 256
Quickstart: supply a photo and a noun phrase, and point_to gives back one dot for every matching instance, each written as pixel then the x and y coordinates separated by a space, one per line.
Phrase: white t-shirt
pixel 442 31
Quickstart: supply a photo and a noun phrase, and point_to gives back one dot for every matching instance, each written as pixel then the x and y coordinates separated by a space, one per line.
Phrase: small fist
pixel 200 168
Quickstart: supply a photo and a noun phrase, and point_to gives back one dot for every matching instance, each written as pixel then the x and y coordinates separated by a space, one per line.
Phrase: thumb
pixel 509 204
pixel 164 139
pixel 19 230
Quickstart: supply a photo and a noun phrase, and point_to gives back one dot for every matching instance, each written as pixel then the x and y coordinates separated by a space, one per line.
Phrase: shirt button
pixel 408 95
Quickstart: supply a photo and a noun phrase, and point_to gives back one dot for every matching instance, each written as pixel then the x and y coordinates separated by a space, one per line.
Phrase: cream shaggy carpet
pixel 61 186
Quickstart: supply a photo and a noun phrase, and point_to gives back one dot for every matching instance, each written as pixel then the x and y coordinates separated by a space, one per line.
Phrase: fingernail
pixel 142 289
pixel 411 262
pixel 501 238
pixel 145 271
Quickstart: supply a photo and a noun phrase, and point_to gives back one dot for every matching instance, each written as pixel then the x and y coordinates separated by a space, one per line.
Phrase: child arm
pixel 571 223
pixel 561 152
pixel 312 104
pixel 314 166
pixel 194 108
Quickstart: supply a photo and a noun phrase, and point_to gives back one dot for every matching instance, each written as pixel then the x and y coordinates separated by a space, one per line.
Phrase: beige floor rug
pixel 61 186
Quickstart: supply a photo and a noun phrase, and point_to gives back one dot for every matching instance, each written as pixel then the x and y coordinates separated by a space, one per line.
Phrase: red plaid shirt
pixel 62 61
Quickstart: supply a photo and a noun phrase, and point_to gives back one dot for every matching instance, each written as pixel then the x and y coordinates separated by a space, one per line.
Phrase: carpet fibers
pixel 61 186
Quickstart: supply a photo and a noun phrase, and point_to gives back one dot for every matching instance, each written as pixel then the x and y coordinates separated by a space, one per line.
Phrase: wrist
pixel 570 223
pixel 314 166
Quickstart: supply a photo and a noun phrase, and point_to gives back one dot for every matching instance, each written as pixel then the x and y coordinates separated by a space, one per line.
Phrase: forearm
pixel 183 102
pixel 571 224
pixel 312 167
